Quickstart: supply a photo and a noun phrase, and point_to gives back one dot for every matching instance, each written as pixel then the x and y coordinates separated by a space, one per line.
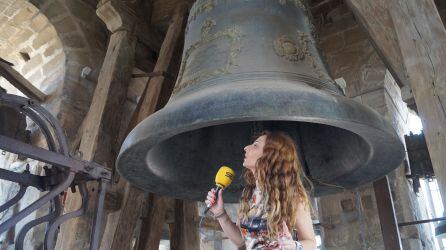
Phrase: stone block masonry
pixel 30 43
pixel 354 213
pixel 44 40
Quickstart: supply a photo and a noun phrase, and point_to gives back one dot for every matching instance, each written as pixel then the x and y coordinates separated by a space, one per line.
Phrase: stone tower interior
pixel 100 67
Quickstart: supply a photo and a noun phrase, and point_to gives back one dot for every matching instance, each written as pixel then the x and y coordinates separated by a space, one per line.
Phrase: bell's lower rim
pixel 234 191
pixel 161 126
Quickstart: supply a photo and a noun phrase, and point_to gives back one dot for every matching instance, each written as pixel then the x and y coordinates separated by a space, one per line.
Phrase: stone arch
pixel 82 33
pixel 51 42
pixel 30 42
pixel 55 41
pixel 83 36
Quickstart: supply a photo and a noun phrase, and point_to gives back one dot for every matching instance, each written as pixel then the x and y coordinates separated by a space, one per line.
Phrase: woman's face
pixel 253 152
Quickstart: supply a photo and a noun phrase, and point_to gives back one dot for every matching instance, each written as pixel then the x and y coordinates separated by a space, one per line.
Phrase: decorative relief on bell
pixel 207 26
pixel 299 50
pixel 201 6
pixel 285 47
pixel 222 47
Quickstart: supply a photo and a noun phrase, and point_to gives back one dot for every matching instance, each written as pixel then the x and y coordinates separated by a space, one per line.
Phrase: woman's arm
pixel 304 227
pixel 305 233
pixel 231 230
pixel 229 227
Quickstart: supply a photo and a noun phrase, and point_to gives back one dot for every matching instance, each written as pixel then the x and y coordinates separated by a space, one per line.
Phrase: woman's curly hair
pixel 278 172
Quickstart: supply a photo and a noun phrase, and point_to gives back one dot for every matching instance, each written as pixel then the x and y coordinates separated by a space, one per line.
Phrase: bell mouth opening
pixel 192 158
pixel 177 151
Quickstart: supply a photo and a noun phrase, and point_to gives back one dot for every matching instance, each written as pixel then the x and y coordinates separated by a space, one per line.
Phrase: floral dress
pixel 255 228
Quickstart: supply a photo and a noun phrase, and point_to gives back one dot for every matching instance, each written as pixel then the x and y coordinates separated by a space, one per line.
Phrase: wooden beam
pixel 386 212
pixel 412 38
pixel 113 82
pixel 191 237
pixel 113 200
pixel 147 105
pixel 422 38
pixel 154 85
pixel 175 228
pixel 190 228
pixel 75 233
pixel 184 231
pixel 110 67
pixel 152 227
pixel 123 240
pixel 20 82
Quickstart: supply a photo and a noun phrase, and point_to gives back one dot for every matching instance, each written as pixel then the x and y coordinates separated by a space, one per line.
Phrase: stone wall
pixel 352 215
pixel 30 42
pixel 8 190
pixel 51 42
pixel 83 37
pixel 59 47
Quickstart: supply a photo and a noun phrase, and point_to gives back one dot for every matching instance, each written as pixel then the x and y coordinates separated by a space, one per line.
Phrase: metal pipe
pixel 58 156
pixel 50 237
pixel 403 224
pixel 37 204
pixel 21 104
pixel 15 199
pixel 95 232
pixel 42 125
pixel 92 169
pixel 57 128
pixel 21 237
pixel 35 112
pixel 54 212
pixel 25 179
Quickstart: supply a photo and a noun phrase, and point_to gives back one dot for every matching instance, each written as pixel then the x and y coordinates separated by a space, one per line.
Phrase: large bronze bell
pixel 250 65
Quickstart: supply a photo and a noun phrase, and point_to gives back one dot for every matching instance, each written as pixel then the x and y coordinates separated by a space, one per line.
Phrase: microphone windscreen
pixel 224 177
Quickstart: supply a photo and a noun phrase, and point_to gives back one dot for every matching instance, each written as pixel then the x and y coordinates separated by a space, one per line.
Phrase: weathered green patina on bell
pixel 248 66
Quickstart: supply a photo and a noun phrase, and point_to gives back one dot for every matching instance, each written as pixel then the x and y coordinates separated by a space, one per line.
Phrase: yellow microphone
pixel 223 178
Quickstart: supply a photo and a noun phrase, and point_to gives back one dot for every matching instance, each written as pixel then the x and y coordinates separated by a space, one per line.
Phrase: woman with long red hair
pixel 274 200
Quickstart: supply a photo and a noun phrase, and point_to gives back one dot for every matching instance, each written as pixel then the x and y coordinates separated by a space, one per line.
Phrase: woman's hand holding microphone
pixel 215 203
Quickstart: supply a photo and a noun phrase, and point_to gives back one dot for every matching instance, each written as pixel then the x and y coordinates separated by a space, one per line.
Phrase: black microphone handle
pixel 216 198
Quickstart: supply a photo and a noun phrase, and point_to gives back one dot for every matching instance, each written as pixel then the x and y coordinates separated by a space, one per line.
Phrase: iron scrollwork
pixel 63 171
